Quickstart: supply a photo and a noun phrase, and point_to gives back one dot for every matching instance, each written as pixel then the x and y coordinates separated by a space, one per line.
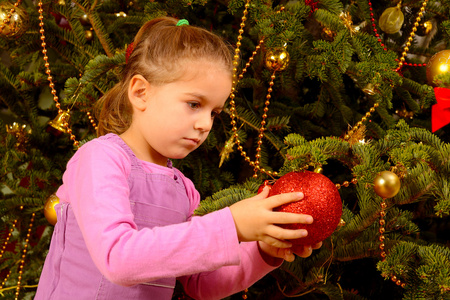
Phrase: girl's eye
pixel 194 105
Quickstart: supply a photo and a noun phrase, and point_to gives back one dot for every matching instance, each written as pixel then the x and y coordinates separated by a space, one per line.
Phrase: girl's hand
pixel 255 219
pixel 288 253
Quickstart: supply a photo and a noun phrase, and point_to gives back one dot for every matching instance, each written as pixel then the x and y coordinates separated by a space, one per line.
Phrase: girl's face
pixel 176 117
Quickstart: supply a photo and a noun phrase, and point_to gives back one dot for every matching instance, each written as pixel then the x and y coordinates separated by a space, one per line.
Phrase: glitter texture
pixel 322 201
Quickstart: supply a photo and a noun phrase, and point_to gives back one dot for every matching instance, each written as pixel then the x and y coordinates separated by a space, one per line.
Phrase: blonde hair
pixel 161 50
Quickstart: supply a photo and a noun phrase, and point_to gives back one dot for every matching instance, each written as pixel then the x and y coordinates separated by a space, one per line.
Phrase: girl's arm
pixel 229 280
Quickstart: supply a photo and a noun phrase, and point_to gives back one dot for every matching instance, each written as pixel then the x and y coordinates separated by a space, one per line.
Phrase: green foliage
pixel 312 105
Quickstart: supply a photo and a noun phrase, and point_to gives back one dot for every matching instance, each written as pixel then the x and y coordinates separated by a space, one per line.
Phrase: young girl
pixel 125 225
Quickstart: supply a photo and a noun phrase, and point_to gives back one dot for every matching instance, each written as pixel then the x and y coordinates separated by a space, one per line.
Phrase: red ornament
pixel 440 112
pixel 313 4
pixel 322 201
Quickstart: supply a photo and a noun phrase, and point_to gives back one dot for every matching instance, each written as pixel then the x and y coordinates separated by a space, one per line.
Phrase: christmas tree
pixel 355 90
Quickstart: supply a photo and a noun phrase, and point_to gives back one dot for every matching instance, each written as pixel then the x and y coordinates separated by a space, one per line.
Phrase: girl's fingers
pixel 276 242
pixel 281 199
pixel 279 233
pixel 290 218
pixel 317 246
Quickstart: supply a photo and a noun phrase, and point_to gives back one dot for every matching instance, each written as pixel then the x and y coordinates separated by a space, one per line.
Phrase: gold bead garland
pixel 360 123
pixel 381 238
pixel 50 78
pixel 256 163
pixel 24 252
pixel 8 238
pixel 401 61
pixel 346 183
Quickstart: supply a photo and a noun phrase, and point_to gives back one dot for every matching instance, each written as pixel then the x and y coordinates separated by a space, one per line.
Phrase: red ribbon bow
pixel 440 112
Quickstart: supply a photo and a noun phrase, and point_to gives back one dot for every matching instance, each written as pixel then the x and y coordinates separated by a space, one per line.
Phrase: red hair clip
pixel 130 49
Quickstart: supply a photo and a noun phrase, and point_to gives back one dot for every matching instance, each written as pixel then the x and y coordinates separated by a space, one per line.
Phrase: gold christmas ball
pixel 438 64
pixel 391 20
pixel 49 209
pixel 84 20
pixel 89 35
pixel 17 22
pixel 386 184
pixel 277 59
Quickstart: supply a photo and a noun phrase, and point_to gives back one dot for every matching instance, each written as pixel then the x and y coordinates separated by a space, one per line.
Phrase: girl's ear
pixel 138 92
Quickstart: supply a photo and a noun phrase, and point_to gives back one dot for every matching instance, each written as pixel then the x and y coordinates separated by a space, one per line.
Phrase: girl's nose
pixel 204 122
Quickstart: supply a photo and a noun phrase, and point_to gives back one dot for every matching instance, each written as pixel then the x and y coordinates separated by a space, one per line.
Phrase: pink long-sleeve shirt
pixel 125 229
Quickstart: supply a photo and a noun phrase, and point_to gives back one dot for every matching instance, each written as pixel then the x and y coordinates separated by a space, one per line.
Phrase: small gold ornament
pixel 13 20
pixel 49 209
pixel 318 170
pixel 121 14
pixel 277 59
pixel 424 28
pixel 61 2
pixel 405 113
pixel 387 184
pixel 227 149
pixel 21 136
pixel 347 20
pixel 437 65
pixel 84 20
pixel 59 122
pixel 391 19
pixel 369 89
pixel 328 33
pixel 89 35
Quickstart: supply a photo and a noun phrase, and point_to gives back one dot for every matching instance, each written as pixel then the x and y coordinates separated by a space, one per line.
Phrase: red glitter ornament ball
pixel 322 201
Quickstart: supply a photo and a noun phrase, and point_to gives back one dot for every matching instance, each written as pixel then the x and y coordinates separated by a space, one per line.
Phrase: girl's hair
pixel 161 51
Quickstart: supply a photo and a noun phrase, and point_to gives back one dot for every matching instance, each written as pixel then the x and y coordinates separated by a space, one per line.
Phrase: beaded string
pixel 52 85
pixel 381 238
pixel 410 38
pixel 50 78
pixel 24 252
pixel 256 163
pixel 359 124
